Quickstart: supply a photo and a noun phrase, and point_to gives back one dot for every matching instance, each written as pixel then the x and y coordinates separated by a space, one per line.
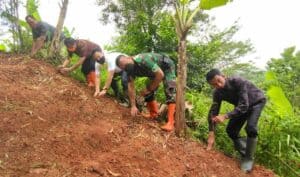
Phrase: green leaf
pixel 281 104
pixel 23 23
pixel 8 16
pixel 190 20
pixel 184 2
pixel 32 9
pixel 270 76
pixel 2 48
pixel 209 4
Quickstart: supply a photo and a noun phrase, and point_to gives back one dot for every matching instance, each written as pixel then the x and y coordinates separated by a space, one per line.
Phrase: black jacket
pixel 240 92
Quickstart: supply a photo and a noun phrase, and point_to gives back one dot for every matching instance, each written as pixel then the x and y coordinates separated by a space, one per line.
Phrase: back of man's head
pixel 212 73
pixel 118 59
pixel 69 41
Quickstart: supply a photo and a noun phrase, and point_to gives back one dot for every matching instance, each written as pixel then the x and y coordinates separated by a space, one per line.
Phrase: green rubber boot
pixel 248 159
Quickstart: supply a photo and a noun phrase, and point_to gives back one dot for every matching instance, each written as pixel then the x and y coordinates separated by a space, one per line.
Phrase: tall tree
pixel 184 20
pixel 55 43
pixel 15 4
pixel 141 23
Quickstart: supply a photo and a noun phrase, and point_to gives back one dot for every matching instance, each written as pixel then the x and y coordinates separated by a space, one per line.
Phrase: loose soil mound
pixel 50 125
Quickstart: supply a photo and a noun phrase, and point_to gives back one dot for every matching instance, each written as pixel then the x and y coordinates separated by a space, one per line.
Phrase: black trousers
pixel 124 81
pixel 251 117
pixel 88 66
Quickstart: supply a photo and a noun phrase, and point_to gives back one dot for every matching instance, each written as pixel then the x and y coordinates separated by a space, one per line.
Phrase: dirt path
pixel 51 126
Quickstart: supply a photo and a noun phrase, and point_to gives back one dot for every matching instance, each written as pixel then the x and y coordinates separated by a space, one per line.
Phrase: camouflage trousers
pixel 169 82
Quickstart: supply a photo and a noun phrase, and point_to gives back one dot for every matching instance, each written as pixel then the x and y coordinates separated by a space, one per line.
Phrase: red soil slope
pixel 50 125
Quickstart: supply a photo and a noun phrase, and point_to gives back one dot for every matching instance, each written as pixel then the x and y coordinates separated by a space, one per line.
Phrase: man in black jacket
pixel 248 101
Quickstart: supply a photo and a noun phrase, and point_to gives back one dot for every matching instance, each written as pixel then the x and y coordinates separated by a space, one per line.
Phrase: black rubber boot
pixel 248 160
pixel 240 146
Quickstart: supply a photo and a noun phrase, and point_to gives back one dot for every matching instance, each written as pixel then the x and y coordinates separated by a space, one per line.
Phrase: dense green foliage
pixel 143 25
pixel 32 8
pixel 213 49
pixel 287 70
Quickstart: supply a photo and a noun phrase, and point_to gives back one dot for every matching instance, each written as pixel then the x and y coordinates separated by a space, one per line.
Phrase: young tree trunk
pixel 55 43
pixel 180 126
pixel 183 23
pixel 19 31
pixel 10 8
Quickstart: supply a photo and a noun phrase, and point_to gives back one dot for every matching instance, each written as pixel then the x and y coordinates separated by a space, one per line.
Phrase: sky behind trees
pixel 271 25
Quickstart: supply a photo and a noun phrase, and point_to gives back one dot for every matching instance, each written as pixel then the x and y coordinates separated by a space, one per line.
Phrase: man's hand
pixel 102 93
pixel 219 118
pixel 210 140
pixel 134 111
pixel 97 93
pixel 65 70
pixel 60 66
pixel 145 92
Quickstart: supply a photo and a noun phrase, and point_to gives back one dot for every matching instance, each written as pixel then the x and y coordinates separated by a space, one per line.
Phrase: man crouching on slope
pixel 248 100
pixel 84 49
pixel 157 68
pixel 113 74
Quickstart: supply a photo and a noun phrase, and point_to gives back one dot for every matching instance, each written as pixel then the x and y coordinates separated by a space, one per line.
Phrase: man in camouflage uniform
pixel 157 68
